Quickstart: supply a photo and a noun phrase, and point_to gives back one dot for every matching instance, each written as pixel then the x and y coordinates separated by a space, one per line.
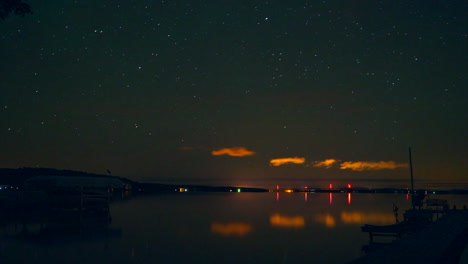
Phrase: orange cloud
pixel 326 219
pixel 362 218
pixel 369 165
pixel 231 229
pixel 282 161
pixel 325 163
pixel 235 151
pixel 287 221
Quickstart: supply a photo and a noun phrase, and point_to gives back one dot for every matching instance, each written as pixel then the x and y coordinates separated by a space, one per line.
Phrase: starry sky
pixel 237 92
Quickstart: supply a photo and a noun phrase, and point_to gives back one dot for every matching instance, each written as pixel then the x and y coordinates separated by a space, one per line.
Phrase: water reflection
pixel 207 228
pixel 363 218
pixel 287 221
pixel 57 227
pixel 306 196
pixel 231 229
pixel 326 219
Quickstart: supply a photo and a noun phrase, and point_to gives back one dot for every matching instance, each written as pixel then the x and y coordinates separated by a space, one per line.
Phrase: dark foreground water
pixel 210 228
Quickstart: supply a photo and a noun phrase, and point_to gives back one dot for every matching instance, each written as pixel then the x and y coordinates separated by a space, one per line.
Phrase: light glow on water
pixel 208 227
pixel 287 221
pixel 327 219
pixel 356 217
pixel 231 229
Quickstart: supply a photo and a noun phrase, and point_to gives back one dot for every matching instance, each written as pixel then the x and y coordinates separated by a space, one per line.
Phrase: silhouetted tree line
pixel 16 7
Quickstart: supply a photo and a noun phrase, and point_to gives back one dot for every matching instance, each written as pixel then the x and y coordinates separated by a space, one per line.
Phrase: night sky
pixel 237 92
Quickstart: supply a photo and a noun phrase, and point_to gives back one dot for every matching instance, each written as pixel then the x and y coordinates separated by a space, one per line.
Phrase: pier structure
pixel 441 242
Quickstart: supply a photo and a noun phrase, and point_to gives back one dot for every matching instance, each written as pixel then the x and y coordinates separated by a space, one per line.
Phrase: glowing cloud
pixel 325 163
pixel 231 229
pixel 282 161
pixel 369 165
pixel 287 221
pixel 235 152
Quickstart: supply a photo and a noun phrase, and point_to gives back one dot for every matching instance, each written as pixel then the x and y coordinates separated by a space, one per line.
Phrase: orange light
pixel 325 163
pixel 370 165
pixel 231 229
pixel 282 161
pixel 289 191
pixel 235 152
pixel 349 198
pixel 287 221
pixel 356 217
pixel 326 219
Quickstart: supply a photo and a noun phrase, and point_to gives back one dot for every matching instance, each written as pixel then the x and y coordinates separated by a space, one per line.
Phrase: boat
pixel 414 219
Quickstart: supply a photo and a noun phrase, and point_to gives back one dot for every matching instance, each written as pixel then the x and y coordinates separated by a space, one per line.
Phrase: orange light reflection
pixel 367 218
pixel 287 221
pixel 326 219
pixel 231 229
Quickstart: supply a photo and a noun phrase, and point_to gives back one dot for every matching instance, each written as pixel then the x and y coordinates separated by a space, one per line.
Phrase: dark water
pixel 211 228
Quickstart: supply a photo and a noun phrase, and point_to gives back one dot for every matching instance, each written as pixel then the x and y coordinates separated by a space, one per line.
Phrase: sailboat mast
pixel 411 171
pixel 412 181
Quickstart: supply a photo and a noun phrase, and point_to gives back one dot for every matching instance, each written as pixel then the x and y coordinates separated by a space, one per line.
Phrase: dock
pixel 442 241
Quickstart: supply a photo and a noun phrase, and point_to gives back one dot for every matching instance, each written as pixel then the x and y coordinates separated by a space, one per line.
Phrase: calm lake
pixel 214 228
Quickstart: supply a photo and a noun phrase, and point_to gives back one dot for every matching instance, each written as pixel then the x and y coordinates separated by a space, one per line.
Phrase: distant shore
pixel 15 178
